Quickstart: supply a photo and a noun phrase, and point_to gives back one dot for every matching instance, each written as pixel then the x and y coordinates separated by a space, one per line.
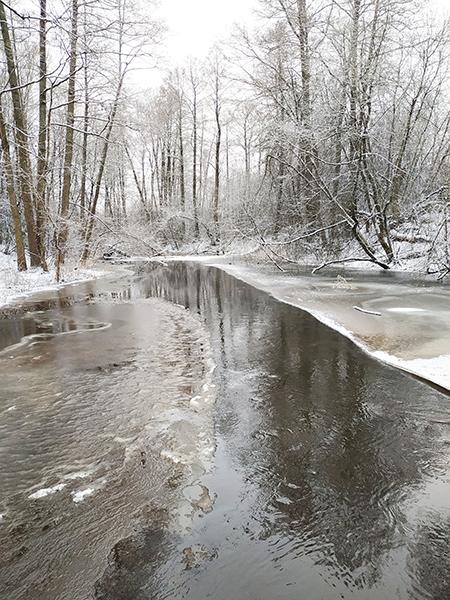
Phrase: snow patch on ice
pixel 436 369
pixel 80 495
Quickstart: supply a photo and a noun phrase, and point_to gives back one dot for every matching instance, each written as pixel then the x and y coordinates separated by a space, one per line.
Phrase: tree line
pixel 322 131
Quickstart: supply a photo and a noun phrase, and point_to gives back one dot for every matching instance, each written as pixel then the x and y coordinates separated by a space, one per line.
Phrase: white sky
pixel 193 26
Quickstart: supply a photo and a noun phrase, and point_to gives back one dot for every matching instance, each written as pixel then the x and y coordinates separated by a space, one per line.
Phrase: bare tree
pixel 22 141
pixel 11 190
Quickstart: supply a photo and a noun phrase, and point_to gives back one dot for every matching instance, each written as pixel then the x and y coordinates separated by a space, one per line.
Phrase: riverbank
pixel 15 285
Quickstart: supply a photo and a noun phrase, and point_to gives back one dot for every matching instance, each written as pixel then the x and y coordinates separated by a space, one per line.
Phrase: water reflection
pixel 320 448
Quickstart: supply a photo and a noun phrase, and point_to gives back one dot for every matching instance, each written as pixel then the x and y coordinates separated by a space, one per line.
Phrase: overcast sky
pixel 194 25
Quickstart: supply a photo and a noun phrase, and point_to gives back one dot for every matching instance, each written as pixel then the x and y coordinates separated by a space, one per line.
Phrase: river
pixel 237 449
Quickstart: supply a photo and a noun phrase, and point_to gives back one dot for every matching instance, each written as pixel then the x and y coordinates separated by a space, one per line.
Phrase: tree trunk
pixel 138 186
pixel 217 161
pixel 13 202
pixel 181 146
pixel 308 151
pixel 22 146
pixel 98 183
pixel 42 140
pixel 68 151
pixel 84 149
pixel 194 159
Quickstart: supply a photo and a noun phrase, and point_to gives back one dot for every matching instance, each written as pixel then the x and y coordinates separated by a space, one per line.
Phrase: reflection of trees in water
pixel 347 457
pixel 325 432
pixel 429 560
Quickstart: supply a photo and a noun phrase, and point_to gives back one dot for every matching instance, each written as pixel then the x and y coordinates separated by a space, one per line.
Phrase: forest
pixel 319 135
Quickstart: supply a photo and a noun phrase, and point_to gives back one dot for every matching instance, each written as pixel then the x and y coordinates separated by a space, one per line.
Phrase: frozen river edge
pixel 435 369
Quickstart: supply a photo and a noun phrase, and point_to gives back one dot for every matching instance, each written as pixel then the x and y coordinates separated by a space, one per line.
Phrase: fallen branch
pixel 411 239
pixel 367 312
pixel 444 273
pixel 272 260
pixel 351 259
pixel 264 243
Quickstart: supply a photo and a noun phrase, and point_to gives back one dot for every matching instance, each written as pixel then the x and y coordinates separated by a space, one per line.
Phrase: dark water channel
pixel 330 477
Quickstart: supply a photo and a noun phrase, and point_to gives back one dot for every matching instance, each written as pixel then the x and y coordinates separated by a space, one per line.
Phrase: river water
pixel 131 469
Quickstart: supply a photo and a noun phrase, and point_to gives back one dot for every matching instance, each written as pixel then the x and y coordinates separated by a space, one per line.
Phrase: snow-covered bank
pixel 410 331
pixel 15 285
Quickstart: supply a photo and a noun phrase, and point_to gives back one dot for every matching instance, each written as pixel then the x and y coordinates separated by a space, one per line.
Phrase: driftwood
pixel 367 312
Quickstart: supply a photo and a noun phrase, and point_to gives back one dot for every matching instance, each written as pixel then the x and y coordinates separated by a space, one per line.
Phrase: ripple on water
pixel 85 413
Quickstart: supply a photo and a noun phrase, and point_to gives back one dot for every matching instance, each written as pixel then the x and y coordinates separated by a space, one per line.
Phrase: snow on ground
pixel 14 284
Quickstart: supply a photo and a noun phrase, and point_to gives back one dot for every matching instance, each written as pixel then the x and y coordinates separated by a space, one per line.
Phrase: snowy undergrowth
pixel 14 284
